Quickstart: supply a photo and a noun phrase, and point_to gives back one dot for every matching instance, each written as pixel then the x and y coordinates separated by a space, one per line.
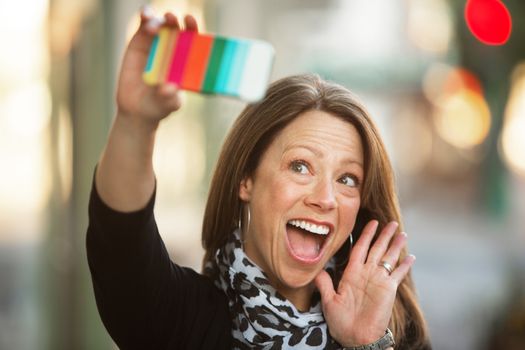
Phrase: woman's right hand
pixel 135 99
pixel 125 177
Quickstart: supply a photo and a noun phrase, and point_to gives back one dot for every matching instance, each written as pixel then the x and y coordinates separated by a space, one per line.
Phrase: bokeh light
pixel 434 80
pixel 513 145
pixel 65 152
pixel 489 21
pixel 512 140
pixel 463 119
pixel 20 22
pixel 25 110
pixel 461 79
pixel 429 25
pixel 461 114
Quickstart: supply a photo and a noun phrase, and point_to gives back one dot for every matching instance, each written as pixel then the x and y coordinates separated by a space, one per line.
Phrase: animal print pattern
pixel 262 317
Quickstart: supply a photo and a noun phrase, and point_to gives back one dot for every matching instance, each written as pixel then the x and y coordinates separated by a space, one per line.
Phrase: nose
pixel 322 196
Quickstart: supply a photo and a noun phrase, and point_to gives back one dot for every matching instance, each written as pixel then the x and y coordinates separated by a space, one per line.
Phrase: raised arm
pixel 125 178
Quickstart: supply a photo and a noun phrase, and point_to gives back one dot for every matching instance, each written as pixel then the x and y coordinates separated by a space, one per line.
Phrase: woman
pixel 302 174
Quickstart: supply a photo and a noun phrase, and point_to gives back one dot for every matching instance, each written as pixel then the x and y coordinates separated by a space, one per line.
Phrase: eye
pixel 299 166
pixel 348 180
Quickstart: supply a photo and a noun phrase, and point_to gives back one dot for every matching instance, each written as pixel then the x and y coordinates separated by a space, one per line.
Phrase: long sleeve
pixel 144 299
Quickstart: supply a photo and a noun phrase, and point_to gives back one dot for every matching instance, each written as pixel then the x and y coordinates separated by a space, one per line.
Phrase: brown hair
pixel 252 133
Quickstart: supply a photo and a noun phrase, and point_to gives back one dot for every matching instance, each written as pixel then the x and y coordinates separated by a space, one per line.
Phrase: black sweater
pixel 144 299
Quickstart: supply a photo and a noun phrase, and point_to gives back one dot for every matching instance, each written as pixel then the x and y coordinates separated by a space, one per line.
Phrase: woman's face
pixel 303 199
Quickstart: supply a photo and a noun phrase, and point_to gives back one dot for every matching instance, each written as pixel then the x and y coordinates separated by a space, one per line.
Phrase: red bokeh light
pixel 459 79
pixel 489 21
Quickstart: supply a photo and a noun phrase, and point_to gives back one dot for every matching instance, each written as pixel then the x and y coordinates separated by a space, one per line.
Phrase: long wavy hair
pixel 251 134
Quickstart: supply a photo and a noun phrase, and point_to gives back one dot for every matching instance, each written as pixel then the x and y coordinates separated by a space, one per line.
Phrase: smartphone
pixel 210 64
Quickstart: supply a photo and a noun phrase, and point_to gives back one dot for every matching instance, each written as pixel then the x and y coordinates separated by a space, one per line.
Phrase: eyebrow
pixel 319 154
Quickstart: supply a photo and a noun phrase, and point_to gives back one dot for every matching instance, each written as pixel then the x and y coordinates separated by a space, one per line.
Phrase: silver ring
pixel 387 266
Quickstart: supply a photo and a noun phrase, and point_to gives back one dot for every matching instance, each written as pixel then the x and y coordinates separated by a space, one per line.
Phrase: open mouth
pixel 306 239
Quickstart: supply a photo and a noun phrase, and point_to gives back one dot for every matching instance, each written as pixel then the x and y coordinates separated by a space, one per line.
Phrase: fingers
pixel 167 91
pixel 323 282
pixel 360 250
pixel 393 252
pixel 388 248
pixel 146 12
pixel 152 22
pixel 171 20
pixel 401 271
pixel 392 256
pixel 379 248
pixel 190 23
pixel 169 98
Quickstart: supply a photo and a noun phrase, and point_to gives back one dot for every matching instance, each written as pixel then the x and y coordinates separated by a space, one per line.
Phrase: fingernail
pixel 404 234
pixel 170 88
pixel 167 90
pixel 413 256
pixel 155 22
pixel 147 11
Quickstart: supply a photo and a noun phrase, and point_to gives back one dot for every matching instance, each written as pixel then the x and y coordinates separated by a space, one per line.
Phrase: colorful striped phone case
pixel 209 63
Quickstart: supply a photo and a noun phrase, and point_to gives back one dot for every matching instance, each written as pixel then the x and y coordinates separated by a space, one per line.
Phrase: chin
pixel 299 277
pixel 298 281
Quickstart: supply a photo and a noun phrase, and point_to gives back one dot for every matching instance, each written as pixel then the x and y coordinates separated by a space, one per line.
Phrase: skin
pixel 311 171
pixel 126 161
pixel 359 310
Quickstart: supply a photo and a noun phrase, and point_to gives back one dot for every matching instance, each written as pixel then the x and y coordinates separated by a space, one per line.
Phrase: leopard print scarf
pixel 262 317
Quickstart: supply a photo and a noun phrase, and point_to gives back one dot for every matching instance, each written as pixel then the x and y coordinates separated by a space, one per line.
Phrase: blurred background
pixel 450 108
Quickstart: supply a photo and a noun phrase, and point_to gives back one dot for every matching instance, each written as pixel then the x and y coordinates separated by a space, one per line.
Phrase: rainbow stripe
pixel 210 63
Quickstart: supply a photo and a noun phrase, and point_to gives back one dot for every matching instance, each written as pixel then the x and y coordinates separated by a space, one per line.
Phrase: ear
pixel 245 189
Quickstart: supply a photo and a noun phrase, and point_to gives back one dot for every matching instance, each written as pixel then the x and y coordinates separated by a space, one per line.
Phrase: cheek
pixel 349 211
pixel 282 192
pixel 273 198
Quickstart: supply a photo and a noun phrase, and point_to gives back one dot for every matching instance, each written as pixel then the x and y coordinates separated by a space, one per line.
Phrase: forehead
pixel 321 132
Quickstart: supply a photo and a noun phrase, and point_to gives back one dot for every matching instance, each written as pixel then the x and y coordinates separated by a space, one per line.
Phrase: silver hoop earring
pixel 248 219
pixel 351 241
pixel 239 225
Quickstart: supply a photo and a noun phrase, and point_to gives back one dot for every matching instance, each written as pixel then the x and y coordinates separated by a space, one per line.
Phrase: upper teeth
pixel 319 229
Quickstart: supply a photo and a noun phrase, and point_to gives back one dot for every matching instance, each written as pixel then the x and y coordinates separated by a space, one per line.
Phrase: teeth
pixel 317 229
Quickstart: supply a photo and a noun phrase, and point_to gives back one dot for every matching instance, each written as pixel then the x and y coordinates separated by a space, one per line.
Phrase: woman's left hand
pixel 359 311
